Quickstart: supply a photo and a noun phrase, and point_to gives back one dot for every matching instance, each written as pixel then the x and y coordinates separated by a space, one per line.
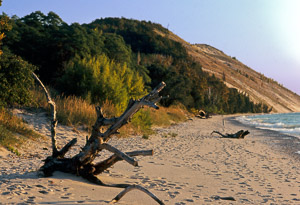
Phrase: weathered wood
pixel 104 165
pixel 132 187
pixel 82 163
pixel 239 135
pixel 53 113
pixel 119 154
pixel 93 146
pixel 65 149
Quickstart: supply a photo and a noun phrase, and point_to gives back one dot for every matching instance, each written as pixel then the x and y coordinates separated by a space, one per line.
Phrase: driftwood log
pixel 82 163
pixel 239 135
pixel 203 115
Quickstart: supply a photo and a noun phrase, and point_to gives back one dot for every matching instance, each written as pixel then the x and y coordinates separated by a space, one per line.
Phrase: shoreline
pixel 189 166
pixel 283 142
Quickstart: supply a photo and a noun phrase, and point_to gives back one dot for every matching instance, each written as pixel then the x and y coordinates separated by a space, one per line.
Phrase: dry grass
pixel 72 110
pixel 38 98
pixel 145 119
pixel 75 111
pixel 13 131
pixel 167 116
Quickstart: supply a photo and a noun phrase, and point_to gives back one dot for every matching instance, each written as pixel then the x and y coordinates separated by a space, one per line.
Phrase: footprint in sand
pixel 189 200
pixel 64 197
pixel 173 194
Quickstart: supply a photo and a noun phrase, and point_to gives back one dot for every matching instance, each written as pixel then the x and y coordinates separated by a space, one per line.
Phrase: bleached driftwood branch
pixel 53 113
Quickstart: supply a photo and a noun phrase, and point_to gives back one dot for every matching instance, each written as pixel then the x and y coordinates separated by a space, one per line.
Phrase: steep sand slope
pixel 237 75
pixel 245 79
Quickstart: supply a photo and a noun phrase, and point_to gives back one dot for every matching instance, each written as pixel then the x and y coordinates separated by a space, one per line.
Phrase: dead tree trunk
pixel 82 163
pixel 239 135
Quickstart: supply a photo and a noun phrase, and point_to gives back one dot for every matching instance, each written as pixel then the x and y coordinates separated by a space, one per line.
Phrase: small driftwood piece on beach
pixel 239 135
pixel 203 115
pixel 82 163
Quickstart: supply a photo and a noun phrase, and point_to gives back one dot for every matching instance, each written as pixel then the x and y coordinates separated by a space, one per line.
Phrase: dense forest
pixel 111 59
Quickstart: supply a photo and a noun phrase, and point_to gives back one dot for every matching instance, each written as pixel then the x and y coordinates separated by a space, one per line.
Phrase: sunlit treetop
pixel 4 26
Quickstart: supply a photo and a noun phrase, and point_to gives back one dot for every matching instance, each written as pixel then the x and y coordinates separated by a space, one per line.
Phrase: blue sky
pixel 263 34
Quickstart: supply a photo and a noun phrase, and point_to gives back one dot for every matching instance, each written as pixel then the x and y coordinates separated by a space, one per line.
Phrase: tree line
pixel 112 59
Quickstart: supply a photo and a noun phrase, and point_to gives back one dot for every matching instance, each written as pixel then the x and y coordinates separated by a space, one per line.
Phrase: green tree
pixel 49 43
pixel 4 26
pixel 116 48
pixel 15 80
pixel 101 79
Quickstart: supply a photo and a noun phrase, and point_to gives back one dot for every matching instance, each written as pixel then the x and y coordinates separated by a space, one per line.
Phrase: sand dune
pixel 189 166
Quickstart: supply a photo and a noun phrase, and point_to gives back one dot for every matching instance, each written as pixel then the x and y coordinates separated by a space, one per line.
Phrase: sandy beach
pixel 189 166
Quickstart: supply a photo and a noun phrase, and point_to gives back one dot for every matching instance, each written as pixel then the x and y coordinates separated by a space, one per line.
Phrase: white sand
pixel 193 167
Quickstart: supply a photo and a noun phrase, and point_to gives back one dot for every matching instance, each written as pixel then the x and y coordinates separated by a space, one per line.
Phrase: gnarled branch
pixel 81 164
pixel 93 146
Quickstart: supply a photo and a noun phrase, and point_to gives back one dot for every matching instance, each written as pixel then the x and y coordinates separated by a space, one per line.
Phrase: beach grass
pixel 77 112
pixel 14 132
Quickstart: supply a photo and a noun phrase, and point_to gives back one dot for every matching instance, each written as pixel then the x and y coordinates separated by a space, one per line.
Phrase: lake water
pixel 286 123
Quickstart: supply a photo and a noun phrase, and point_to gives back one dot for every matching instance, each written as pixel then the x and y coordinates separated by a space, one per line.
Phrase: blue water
pixel 286 123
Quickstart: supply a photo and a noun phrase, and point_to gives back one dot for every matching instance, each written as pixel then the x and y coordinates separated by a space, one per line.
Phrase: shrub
pixel 166 116
pixel 99 79
pixel 15 79
pixel 142 121
pixel 145 136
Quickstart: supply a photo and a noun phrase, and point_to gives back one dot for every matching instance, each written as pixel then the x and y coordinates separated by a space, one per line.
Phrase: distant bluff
pixel 235 74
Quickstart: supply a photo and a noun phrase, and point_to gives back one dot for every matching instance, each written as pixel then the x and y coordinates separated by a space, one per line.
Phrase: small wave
pixel 284 123
pixel 284 130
